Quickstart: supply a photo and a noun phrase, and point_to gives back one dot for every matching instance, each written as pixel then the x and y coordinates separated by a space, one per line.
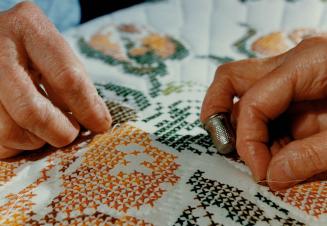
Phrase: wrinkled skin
pixel 288 91
pixel 33 54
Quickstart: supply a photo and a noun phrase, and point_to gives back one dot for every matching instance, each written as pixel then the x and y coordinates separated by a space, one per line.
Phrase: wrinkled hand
pixel 33 54
pixel 289 92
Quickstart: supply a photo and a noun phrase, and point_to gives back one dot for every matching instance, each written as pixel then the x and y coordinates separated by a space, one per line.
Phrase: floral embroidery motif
pixel 276 43
pixel 273 43
pixel 137 49
pixel 121 170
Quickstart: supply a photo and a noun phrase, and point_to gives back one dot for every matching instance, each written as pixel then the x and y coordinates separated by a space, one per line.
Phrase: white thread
pixel 280 181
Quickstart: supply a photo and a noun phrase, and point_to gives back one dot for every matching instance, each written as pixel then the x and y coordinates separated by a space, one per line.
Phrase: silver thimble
pixel 221 132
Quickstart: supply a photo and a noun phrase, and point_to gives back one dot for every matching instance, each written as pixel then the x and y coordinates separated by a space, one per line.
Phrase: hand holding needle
pixel 292 86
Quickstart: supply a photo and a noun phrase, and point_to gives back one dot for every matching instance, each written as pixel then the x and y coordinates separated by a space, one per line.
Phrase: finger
pixel 15 137
pixel 35 77
pixel 62 70
pixel 45 89
pixel 54 97
pixel 279 137
pixel 8 152
pixel 287 167
pixel 301 77
pixel 279 144
pixel 27 107
pixel 233 79
pixel 262 102
pixel 308 118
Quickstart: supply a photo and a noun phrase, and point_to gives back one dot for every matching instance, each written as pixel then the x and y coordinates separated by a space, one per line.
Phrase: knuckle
pixel 25 6
pixel 24 114
pixel 314 40
pixel 29 113
pixel 24 11
pixel 223 70
pixel 311 42
pixel 71 80
pixel 24 17
pixel 243 105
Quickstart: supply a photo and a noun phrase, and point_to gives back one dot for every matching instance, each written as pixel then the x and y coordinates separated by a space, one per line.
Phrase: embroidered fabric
pixel 152 64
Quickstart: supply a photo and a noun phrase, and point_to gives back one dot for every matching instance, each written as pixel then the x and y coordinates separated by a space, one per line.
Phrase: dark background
pixel 94 8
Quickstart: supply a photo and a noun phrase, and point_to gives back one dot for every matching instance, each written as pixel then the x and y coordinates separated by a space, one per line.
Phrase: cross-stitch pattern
pixel 16 208
pixel 181 115
pixel 121 170
pixel 210 193
pixel 121 114
pixel 309 197
pixel 125 94
pixel 9 167
pixel 137 49
pixel 7 170
pixel 174 121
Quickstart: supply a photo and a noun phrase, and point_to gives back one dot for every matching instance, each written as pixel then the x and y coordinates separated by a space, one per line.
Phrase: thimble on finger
pixel 221 132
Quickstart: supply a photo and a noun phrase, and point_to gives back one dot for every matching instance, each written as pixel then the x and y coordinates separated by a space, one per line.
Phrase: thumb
pixel 298 161
pixel 8 152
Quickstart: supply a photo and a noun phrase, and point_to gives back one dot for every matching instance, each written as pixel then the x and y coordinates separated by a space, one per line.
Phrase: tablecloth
pixel 152 64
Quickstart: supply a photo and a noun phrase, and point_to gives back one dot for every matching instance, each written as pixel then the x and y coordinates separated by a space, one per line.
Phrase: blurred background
pixel 96 8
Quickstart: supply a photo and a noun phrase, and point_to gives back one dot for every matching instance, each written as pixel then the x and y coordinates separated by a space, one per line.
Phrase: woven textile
pixel 152 64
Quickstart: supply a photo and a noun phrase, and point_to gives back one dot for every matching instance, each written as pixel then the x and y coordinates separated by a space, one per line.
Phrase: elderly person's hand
pixel 34 55
pixel 292 87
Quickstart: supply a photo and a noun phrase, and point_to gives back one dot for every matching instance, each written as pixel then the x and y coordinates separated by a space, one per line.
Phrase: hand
pixel 291 86
pixel 33 54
